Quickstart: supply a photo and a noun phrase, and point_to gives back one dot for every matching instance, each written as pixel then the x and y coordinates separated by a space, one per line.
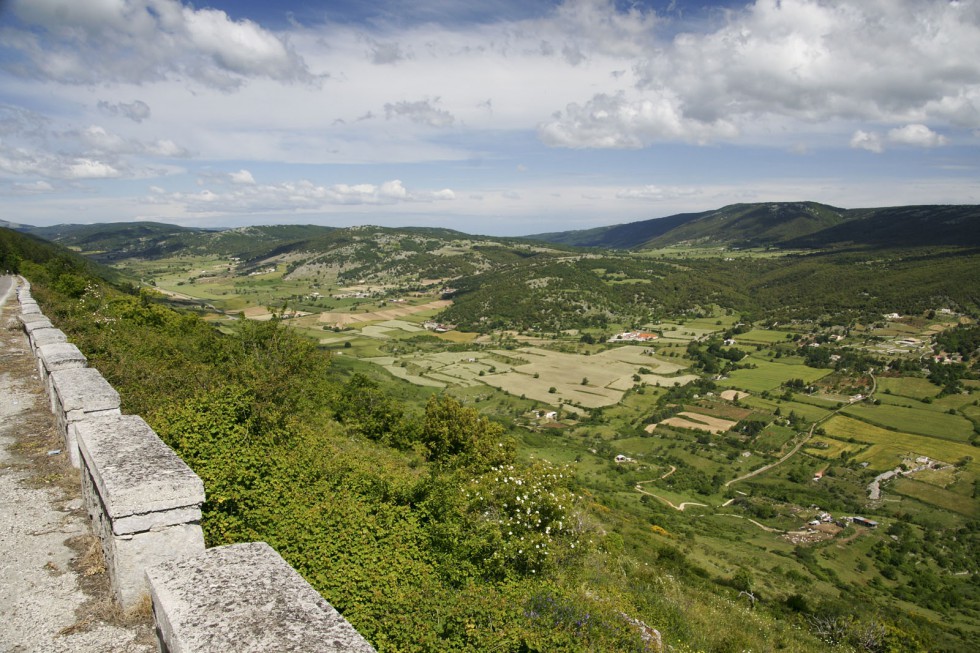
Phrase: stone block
pixel 79 394
pixel 27 308
pixel 56 357
pixel 46 336
pixel 144 501
pixel 244 598
pixel 32 318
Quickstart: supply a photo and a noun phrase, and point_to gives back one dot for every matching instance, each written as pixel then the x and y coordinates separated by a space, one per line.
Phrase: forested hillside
pixel 791 225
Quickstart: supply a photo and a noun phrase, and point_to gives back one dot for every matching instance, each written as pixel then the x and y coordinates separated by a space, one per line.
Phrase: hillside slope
pixel 791 225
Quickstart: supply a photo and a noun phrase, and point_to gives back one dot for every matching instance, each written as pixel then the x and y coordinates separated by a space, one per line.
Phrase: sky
pixel 499 117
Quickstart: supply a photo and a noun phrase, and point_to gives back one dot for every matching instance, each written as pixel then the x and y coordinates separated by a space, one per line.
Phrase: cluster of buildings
pixel 633 336
pixel 438 327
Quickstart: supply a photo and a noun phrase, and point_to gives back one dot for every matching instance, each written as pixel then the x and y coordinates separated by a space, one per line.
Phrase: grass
pixel 912 420
pixel 763 336
pixel 936 496
pixel 907 386
pixel 833 448
pixel 769 375
pixel 888 448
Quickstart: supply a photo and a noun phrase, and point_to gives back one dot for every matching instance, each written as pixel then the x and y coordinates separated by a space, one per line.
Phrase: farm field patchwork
pixel 888 448
pixel 588 381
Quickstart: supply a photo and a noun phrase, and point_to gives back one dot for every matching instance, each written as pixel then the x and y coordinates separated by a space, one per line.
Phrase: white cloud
pixel 421 112
pixel 98 41
pixel 916 135
pixel 656 193
pixel 870 141
pixel 616 122
pixel 33 187
pixel 386 53
pixel 90 169
pixel 796 62
pixel 242 177
pixel 137 111
pixel 291 196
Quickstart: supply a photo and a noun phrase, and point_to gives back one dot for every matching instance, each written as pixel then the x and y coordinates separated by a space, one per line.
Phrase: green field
pixel 769 375
pixel 912 420
pixel 763 336
pixel 937 496
pixel 907 386
pixel 888 448
pixel 833 449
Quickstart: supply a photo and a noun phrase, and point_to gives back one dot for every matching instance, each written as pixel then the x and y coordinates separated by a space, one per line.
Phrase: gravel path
pixel 54 593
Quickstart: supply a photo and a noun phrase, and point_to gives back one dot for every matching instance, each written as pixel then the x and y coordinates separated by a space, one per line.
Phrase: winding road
pixel 806 438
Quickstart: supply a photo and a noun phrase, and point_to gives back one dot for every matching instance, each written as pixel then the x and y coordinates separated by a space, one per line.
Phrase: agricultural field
pixel 764 336
pixel 769 374
pixel 888 448
pixel 543 375
pixel 912 420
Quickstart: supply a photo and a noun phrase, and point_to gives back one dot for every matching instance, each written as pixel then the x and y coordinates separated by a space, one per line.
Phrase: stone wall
pixel 145 505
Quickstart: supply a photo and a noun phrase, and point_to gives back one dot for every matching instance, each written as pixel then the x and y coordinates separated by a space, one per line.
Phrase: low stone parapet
pixel 144 501
pixel 244 598
pixel 45 336
pixel 56 357
pixel 36 319
pixel 145 505
pixel 80 394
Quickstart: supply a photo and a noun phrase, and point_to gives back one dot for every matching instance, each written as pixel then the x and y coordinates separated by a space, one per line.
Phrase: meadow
pixel 770 374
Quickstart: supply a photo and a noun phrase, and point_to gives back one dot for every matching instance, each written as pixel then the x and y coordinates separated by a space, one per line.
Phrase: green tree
pixel 452 432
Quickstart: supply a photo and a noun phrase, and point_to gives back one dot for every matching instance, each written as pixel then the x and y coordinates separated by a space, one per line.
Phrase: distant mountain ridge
pixel 790 225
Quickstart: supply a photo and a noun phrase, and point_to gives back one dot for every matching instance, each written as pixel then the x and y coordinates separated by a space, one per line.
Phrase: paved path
pixel 53 588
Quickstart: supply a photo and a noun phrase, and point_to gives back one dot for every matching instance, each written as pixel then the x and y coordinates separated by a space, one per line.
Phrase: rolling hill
pixel 790 225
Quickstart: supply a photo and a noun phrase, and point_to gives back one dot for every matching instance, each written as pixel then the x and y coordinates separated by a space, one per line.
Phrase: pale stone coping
pixel 142 483
pixel 46 336
pixel 244 598
pixel 60 356
pixel 31 318
pixel 83 389
pixel 36 325
pixel 29 307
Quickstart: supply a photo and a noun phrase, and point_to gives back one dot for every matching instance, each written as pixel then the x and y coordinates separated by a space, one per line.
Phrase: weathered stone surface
pixel 142 483
pixel 144 501
pixel 61 356
pixel 78 394
pixel 32 318
pixel 46 336
pixel 28 308
pixel 34 324
pixel 57 356
pixel 244 598
pixel 84 389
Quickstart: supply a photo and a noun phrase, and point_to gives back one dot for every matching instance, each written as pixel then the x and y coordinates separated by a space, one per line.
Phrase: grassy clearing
pixel 763 336
pixel 769 375
pixel 912 420
pixel 831 448
pixel 773 438
pixel 888 448
pixel 937 496
pixel 907 386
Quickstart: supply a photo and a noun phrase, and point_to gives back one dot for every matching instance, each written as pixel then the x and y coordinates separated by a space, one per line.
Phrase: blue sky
pixel 501 117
